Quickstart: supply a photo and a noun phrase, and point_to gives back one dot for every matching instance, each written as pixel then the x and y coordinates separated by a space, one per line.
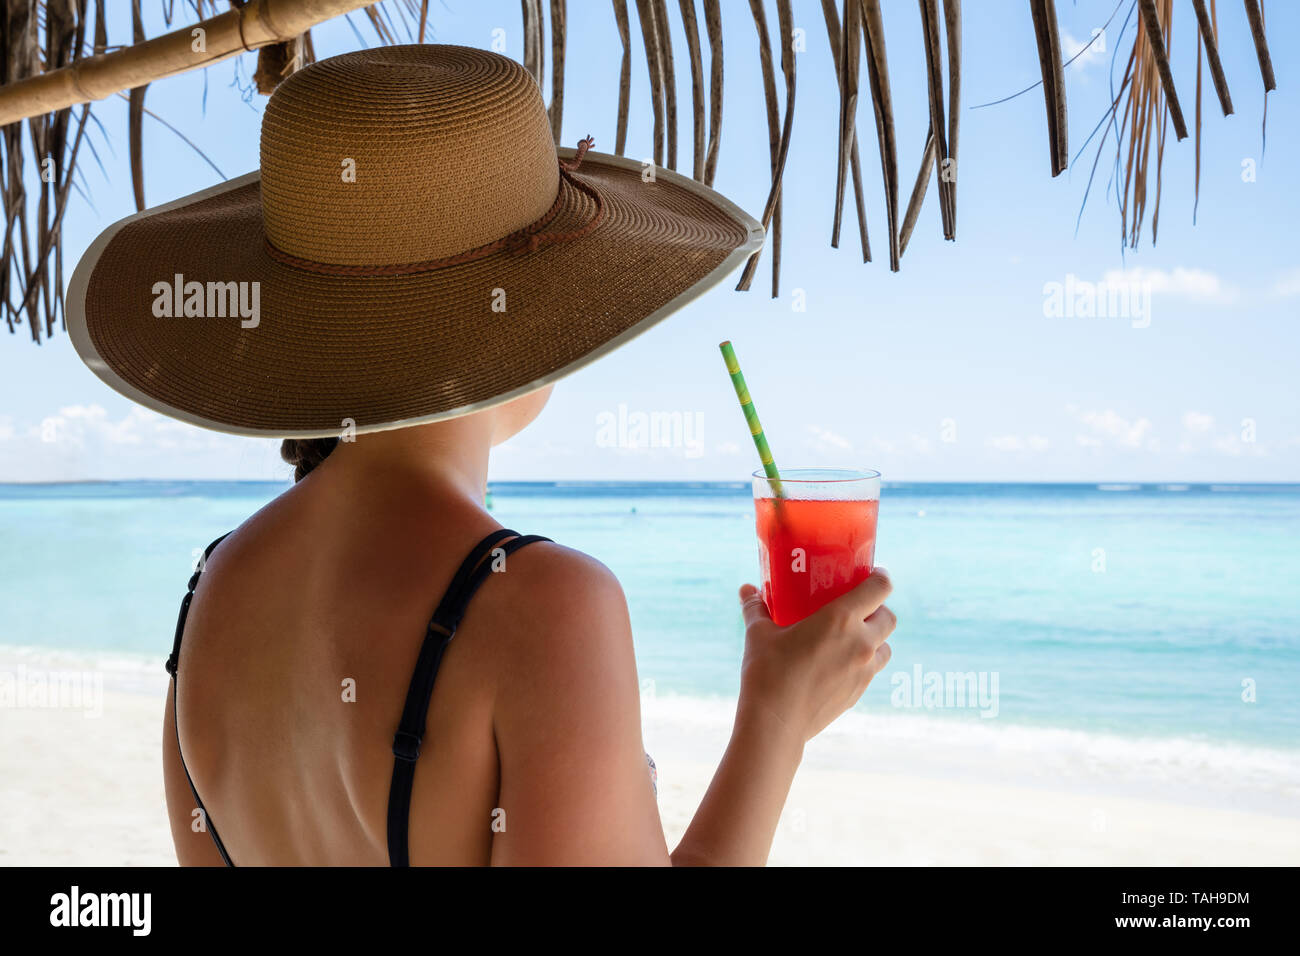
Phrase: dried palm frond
pixel 1145 114
pixel 1049 59
pixel 697 87
pixel 531 11
pixel 624 77
pixel 87 78
pixel 938 146
pixel 26 290
pixel 558 33
pixel 665 43
pixel 382 25
pixel 918 193
pixel 938 123
pixel 52 58
pixel 1256 18
pixel 1140 113
pixel 1196 188
pixel 848 109
pixel 54 55
pixel 162 121
pixel 135 115
pixel 1157 38
pixel 1208 35
pixel 778 144
pixel 278 60
pixel 713 24
pixel 952 33
pixel 1148 108
pixel 873 29
pixel 655 66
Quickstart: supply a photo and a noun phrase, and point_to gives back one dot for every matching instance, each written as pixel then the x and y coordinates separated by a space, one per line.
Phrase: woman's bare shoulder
pixel 567 720
pixel 554 608
pixel 556 587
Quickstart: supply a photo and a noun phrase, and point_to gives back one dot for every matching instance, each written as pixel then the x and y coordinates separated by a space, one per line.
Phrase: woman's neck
pixel 446 456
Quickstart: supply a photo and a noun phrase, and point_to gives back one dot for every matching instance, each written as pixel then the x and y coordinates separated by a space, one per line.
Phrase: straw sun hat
pixel 414 247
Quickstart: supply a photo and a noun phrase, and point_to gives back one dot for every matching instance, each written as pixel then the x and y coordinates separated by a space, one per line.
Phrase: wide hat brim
pixel 332 352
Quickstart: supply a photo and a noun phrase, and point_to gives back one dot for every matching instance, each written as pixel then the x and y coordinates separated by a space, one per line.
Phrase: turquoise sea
pixel 1152 611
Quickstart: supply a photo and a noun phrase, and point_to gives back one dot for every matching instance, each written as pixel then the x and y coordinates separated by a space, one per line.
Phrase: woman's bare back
pixel 297 654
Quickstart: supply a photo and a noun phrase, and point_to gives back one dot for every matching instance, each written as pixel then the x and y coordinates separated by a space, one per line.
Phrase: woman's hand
pixel 793 682
pixel 798 679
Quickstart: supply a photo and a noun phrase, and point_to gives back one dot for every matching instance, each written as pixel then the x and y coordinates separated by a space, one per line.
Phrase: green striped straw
pixel 751 418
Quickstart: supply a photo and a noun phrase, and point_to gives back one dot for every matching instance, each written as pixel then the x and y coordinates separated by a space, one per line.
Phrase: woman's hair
pixel 305 453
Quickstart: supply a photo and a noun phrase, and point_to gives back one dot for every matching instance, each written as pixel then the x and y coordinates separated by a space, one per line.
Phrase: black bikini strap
pixel 185 604
pixel 442 628
pixel 171 669
pixel 473 558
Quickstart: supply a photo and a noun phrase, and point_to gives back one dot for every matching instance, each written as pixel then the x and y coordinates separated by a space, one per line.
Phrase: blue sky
pixel 948 370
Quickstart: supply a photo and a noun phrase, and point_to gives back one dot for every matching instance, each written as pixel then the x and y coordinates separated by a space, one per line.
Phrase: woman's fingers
pixel 880 624
pixel 751 605
pixel 863 600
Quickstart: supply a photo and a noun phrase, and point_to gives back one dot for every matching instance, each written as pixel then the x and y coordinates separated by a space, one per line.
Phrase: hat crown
pixel 404 154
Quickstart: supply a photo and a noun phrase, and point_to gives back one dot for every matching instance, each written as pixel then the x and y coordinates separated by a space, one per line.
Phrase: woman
pixel 370 670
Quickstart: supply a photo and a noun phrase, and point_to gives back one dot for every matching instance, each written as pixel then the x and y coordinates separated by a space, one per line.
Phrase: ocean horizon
pixel 717 484
pixel 1163 614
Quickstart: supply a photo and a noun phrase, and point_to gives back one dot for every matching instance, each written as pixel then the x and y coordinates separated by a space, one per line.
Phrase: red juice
pixel 811 551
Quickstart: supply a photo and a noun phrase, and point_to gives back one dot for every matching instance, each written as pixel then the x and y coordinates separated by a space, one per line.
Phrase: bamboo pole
pixel 256 24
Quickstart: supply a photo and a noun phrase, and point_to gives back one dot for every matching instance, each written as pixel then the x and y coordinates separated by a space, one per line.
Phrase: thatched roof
pixel 56 58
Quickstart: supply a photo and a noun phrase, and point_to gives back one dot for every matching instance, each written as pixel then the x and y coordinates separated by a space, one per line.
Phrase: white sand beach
pixel 87 790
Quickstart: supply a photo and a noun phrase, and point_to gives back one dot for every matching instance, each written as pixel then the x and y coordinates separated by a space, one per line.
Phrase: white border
pixel 75 308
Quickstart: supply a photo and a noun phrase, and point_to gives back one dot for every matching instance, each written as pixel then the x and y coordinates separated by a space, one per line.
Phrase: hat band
pixel 527 239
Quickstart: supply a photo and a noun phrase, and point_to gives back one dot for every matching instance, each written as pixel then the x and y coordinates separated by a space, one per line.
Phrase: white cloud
pixel 1108 427
pixel 1017 443
pixel 83 426
pixel 1198 422
pixel 920 444
pixel 84 441
pixel 1232 446
pixel 1288 284
pixel 1095 52
pixel 1180 282
pixel 826 440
